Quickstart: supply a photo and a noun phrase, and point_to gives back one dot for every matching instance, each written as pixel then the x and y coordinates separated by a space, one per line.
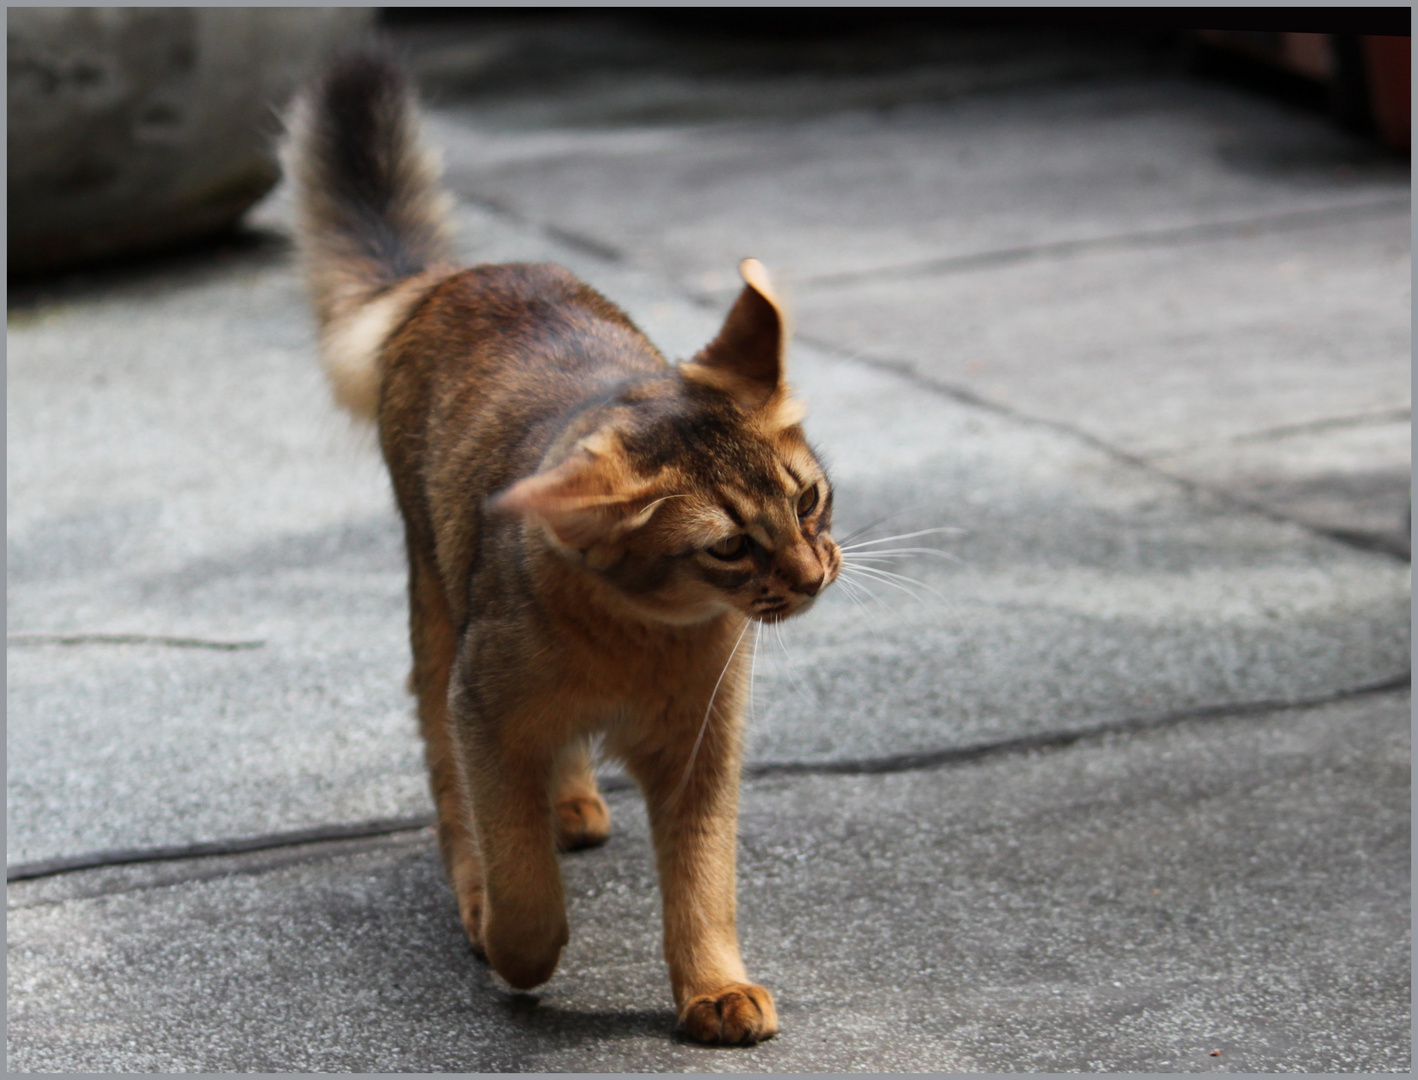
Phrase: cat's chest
pixel 642 671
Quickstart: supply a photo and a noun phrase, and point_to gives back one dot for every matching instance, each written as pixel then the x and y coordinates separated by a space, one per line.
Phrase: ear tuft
pixel 755 275
pixel 746 359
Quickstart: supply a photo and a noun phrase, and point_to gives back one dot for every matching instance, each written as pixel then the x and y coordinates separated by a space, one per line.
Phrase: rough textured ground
pixel 1129 904
pixel 1142 339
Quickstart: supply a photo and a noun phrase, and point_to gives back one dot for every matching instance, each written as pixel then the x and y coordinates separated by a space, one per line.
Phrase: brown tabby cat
pixel 591 535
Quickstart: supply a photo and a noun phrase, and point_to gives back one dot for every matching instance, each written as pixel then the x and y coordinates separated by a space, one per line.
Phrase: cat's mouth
pixel 778 609
pixel 770 610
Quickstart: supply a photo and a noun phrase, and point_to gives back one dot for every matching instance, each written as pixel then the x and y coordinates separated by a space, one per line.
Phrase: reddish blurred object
pixel 1367 75
pixel 1389 61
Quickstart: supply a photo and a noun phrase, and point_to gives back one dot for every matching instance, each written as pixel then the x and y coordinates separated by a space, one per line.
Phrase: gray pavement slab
pixel 206 616
pixel 206 489
pixel 864 191
pixel 1163 264
pixel 1156 349
pixel 1272 366
pixel 1136 903
pixel 609 70
pixel 1346 476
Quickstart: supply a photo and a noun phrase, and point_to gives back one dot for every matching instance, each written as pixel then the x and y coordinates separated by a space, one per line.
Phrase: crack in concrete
pixel 1298 219
pixel 321 834
pixel 1363 541
pixel 905 369
pixel 918 761
pixel 1289 431
pixel 908 762
pixel 893 764
pixel 1199 232
pixel 576 241
pixel 129 639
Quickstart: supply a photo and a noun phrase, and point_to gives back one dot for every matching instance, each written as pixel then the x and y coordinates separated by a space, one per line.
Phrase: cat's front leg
pixel 508 764
pixel 692 798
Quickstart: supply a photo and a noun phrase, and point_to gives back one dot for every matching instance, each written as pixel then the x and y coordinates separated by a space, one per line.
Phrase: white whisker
pixel 882 575
pixel 752 671
pixel 860 587
pixel 901 553
pixel 694 751
pixel 901 588
pixel 888 577
pixel 665 498
pixel 869 526
pixel 954 529
pixel 855 589
pixel 862 584
pixel 879 572
pixel 787 661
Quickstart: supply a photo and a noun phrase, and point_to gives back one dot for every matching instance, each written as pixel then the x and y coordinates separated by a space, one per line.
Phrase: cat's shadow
pixel 559 1024
pixel 564 1028
pixel 556 1026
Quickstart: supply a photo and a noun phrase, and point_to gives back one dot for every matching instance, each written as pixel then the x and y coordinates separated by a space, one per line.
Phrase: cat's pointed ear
pixel 746 359
pixel 589 499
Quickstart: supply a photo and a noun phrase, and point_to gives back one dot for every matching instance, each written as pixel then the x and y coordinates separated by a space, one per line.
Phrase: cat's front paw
pixel 737 1015
pixel 582 821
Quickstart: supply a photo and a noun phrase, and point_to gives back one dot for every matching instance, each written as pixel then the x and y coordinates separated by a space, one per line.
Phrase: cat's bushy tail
pixel 372 223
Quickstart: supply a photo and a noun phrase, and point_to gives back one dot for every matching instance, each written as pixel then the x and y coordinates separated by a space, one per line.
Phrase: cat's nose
pixel 799 565
pixel 811 588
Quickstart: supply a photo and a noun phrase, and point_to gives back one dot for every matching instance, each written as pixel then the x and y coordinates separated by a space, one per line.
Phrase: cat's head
pixel 694 492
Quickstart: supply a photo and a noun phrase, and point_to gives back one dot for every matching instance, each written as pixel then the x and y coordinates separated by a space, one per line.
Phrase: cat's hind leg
pixel 582 818
pixel 435 646
pixel 509 761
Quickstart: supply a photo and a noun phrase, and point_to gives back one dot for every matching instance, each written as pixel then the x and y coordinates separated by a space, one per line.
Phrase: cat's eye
pixel 807 501
pixel 729 548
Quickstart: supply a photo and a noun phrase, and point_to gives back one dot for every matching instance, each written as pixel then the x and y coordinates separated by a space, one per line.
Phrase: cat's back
pixel 505 344
pixel 478 381
pixel 503 324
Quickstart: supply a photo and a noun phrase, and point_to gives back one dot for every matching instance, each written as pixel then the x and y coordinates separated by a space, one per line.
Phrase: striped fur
pixel 372 223
pixel 592 534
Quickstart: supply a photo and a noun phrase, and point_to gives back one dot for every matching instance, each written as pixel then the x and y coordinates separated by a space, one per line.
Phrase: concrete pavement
pixel 1129 904
pixel 1143 340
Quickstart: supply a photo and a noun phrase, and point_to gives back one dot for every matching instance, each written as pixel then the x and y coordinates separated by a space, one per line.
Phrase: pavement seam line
pixel 906 370
pixel 1198 232
pixel 211 848
pixel 578 242
pixel 1290 431
pixel 1183 234
pixel 1190 233
pixel 929 759
pixel 129 639
pixel 894 764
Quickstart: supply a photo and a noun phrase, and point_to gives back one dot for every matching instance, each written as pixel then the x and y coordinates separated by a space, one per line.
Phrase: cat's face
pixel 695 493
pixel 691 507
pixel 738 516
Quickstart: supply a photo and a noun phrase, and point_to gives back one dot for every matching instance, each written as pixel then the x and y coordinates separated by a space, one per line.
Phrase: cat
pixel 592 536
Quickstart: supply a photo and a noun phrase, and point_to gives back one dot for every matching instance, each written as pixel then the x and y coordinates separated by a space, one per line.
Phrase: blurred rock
pixel 133 129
